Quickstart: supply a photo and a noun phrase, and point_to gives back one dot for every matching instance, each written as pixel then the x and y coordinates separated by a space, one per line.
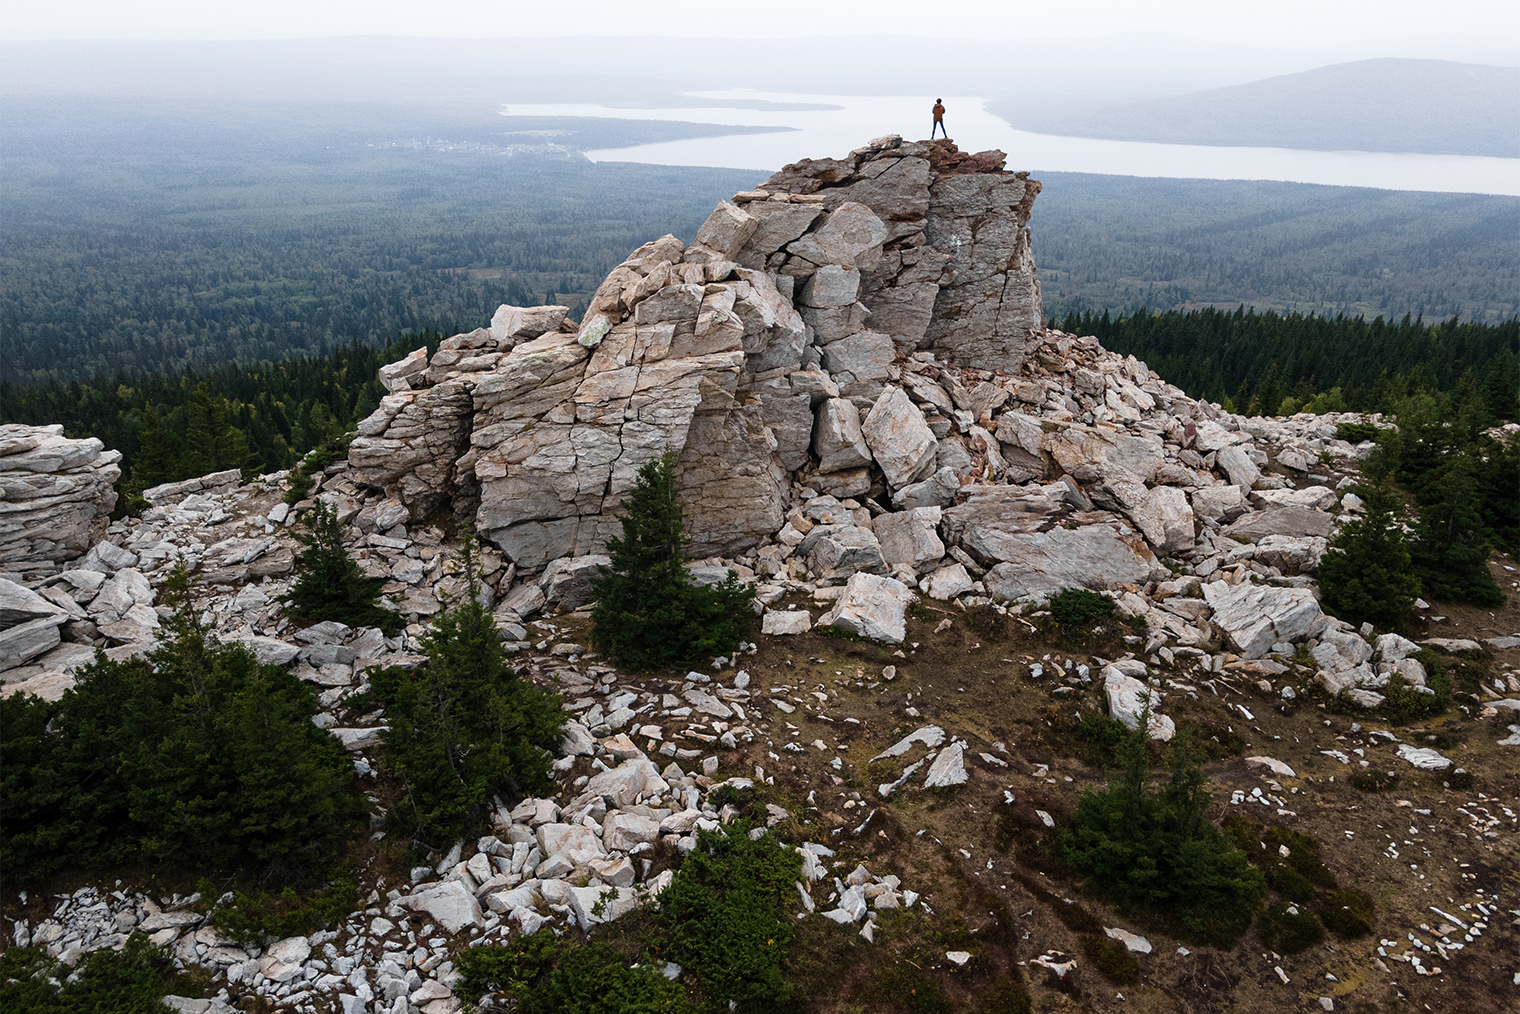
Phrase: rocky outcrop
pixel 56 495
pixel 771 346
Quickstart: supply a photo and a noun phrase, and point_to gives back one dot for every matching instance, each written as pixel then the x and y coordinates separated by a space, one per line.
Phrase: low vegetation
pixel 133 980
pixel 724 922
pixel 1156 851
pixel 331 586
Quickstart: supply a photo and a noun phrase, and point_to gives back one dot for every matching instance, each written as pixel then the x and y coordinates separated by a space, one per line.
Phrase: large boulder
pixel 1127 700
pixel 899 438
pixel 1255 617
pixel 873 607
pixel 741 353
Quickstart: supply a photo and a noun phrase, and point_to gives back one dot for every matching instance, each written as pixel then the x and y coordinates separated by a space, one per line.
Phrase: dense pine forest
pixel 155 239
pixel 1271 364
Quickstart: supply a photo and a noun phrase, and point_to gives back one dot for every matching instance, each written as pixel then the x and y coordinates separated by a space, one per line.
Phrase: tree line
pixel 1266 363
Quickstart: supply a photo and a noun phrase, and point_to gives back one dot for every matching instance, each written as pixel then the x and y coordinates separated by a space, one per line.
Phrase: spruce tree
pixel 466 729
pixel 1451 549
pixel 1367 575
pixel 648 613
pixel 331 585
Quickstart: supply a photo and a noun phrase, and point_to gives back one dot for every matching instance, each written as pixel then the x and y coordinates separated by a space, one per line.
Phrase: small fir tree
pixel 465 729
pixel 331 585
pixel 1368 576
pixel 1156 849
pixel 649 614
pixel 1451 549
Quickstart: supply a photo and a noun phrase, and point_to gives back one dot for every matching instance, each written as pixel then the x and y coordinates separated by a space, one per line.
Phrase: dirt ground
pixel 1418 844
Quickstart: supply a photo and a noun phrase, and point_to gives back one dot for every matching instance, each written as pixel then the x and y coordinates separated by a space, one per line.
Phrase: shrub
pixel 1451 546
pixel 195 755
pixel 1367 576
pixel 648 613
pixel 544 975
pixel 1347 913
pixel 725 919
pixel 253 919
pixel 1157 850
pixel 1078 607
pixel 1288 932
pixel 1356 433
pixel 727 915
pixel 1370 780
pixel 1113 959
pixel 133 980
pixel 465 728
pixel 331 585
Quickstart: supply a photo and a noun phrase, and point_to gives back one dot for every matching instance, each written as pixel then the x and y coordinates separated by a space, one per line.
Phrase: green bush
pixel 545 975
pixel 133 980
pixel 1156 850
pixel 1078 607
pixel 1367 575
pixel 725 919
pixel 194 755
pixel 465 728
pixel 649 614
pixel 1287 932
pixel 331 585
pixel 1355 433
pixel 1113 959
pixel 1347 913
pixel 1371 780
pixel 727 913
pixel 255 918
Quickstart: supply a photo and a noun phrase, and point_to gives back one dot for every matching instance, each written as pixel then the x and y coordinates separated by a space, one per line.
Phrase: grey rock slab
pixel 781 622
pixel 845 551
pixel 1127 698
pixel 947 582
pixel 1424 758
pixel 1242 471
pixel 910 537
pixel 930 736
pixel 450 904
pixel 19 604
pixel 1255 617
pixel 873 607
pixel 1290 521
pixel 25 641
pixel 567 582
pixel 1094 556
pixel 837 438
pixel 269 650
pixel 899 438
pixel 938 490
pixel 949 768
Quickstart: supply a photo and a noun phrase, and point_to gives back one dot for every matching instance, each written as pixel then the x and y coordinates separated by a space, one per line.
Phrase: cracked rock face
pixel 775 336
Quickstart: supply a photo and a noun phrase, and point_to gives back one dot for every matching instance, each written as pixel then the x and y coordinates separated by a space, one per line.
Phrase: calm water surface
pixel 816 134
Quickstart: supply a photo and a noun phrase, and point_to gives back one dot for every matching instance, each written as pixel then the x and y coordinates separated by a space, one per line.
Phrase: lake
pixel 833 132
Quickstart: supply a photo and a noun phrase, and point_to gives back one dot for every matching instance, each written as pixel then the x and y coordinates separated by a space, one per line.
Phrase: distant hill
pixel 1428 106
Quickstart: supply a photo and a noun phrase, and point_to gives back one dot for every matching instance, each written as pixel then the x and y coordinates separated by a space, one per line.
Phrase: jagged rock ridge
pixel 768 348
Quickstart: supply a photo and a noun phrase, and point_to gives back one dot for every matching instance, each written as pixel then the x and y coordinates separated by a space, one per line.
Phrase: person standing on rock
pixel 939 120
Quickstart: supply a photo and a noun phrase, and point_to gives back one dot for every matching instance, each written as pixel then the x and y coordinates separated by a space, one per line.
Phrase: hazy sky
pixel 1369 27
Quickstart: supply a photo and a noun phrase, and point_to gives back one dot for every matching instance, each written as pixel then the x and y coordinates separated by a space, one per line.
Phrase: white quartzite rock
pixel 873 607
pixel 1127 698
pixel 899 438
pixel 1255 617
